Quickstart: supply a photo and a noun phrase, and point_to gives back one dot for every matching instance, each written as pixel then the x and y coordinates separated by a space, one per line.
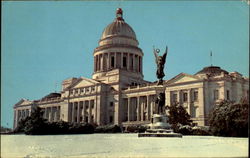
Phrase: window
pixel 82 90
pixel 76 91
pixel 228 95
pixel 111 104
pixel 124 62
pixel 216 94
pixel 112 62
pixel 195 95
pixel 87 89
pixel 174 97
pixel 81 119
pixel 87 106
pixel 185 97
pixel 110 119
pixel 93 88
pixel 92 106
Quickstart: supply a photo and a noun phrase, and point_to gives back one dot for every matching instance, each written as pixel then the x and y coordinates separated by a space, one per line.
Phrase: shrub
pixel 185 130
pixel 178 115
pixel 200 131
pixel 108 129
pixel 136 128
pixel 230 119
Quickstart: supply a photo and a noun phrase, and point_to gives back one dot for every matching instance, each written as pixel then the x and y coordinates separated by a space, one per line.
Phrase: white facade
pixel 118 94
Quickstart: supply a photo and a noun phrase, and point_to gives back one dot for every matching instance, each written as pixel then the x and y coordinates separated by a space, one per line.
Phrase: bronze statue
pixel 160 61
pixel 160 102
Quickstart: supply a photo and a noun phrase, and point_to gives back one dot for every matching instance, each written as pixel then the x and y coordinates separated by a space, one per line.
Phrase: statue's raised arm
pixel 156 51
pixel 164 56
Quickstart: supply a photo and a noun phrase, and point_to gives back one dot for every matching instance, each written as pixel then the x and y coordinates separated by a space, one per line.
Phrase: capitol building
pixel 118 94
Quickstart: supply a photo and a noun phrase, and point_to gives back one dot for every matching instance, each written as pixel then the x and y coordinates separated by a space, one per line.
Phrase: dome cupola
pixel 118 49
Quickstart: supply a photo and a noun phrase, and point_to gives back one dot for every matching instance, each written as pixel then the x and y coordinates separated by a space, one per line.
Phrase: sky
pixel 44 43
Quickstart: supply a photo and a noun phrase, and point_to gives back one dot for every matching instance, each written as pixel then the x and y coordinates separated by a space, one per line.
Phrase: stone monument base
pixel 159 127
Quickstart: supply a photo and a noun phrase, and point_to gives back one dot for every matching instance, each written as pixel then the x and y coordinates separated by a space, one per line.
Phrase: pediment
pixel 182 78
pixel 23 102
pixel 84 82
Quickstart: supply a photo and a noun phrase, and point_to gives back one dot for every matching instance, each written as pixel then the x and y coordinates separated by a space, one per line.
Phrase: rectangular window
pixel 228 95
pixel 111 104
pixel 175 98
pixel 195 95
pixel 110 119
pixel 124 62
pixel 216 94
pixel 112 62
pixel 185 97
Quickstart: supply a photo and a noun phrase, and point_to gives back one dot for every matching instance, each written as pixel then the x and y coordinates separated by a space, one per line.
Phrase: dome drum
pixel 118 60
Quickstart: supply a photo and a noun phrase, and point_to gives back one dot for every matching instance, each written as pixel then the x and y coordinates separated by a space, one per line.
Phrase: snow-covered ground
pixel 121 145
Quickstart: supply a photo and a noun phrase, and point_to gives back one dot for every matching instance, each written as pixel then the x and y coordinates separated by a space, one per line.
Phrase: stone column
pixel 138 64
pixel 148 108
pixel 83 112
pixel 15 119
pixel 73 113
pixel 54 114
pixel 115 60
pixel 99 63
pixel 138 108
pixel 100 60
pixel 142 105
pixel 89 111
pixel 45 113
pixel 128 60
pixel 108 61
pixel 78 112
pixel 58 113
pixel 133 68
pixel 179 97
pixel 189 101
pixel 129 109
pixel 105 61
pixel 201 106
pixel 50 114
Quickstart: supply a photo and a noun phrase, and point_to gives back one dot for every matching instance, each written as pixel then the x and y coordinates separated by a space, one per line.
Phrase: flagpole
pixel 211 54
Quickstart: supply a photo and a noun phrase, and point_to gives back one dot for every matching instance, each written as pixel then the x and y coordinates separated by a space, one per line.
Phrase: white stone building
pixel 118 94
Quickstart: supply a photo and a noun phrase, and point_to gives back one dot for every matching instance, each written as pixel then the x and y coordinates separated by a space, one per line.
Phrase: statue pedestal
pixel 159 127
pixel 159 89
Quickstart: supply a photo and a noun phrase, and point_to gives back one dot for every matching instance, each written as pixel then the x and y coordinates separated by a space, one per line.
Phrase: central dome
pixel 118 28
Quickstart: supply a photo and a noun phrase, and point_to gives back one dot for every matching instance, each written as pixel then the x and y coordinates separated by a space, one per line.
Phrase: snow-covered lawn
pixel 121 145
